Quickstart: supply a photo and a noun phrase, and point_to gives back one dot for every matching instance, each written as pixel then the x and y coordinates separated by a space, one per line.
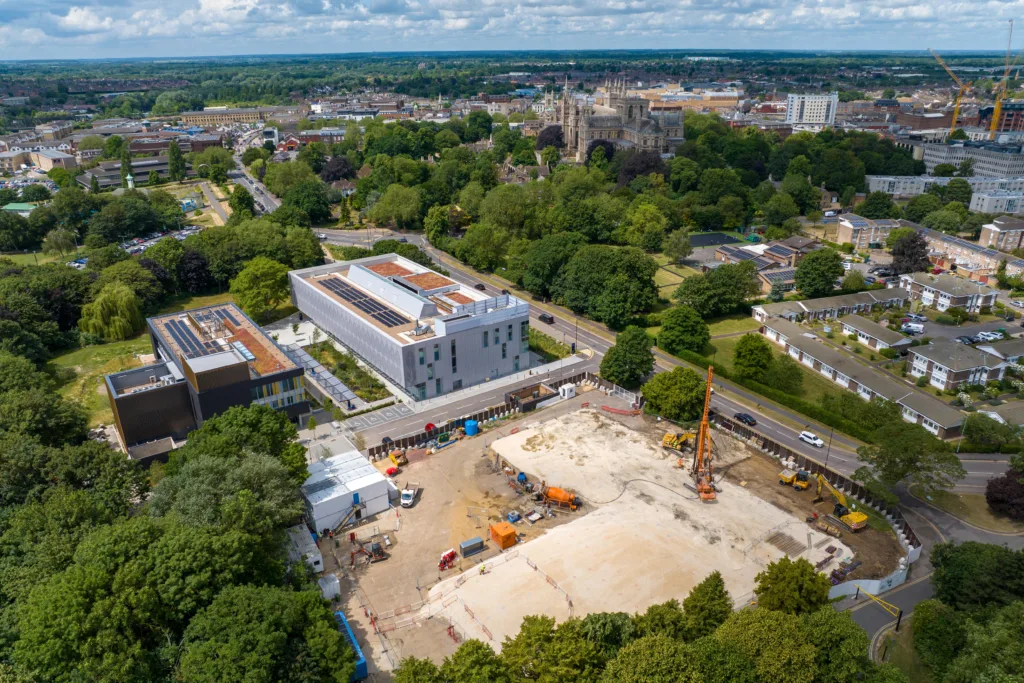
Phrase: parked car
pixel 812 438
pixel 976 339
pixel 916 317
pixel 402 240
pixel 480 286
pixel 1018 304
pixel 964 340
pixel 546 318
pixel 505 291
pixel 990 336
pixel 913 328
pixel 745 419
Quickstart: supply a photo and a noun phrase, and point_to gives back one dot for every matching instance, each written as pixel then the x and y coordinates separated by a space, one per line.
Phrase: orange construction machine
pixel 559 497
pixel 703 480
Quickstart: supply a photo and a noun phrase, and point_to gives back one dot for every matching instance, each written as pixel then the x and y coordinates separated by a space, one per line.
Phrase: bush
pixel 856 349
pixel 945 320
pixel 922 381
pixel 852 336
pixel 888 353
pixel 1005 495
pixel 846 248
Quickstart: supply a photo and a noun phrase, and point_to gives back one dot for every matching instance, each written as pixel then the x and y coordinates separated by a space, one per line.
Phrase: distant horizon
pixel 89 30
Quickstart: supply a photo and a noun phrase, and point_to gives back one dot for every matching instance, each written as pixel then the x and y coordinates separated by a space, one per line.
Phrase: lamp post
pixel 828 451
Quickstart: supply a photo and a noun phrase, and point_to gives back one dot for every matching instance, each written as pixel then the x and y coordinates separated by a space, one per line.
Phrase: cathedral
pixel 625 121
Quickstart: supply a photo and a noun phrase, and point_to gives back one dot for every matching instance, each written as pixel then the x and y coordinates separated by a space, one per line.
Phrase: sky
pixel 41 29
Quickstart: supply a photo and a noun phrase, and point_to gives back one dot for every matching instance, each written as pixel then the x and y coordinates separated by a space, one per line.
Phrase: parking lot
pixel 141 244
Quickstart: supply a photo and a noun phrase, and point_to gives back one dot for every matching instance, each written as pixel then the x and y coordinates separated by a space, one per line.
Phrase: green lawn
pixel 663 278
pixel 345 368
pixel 90 364
pixel 899 651
pixel 972 508
pixel 731 324
pixel 547 347
pixel 184 302
pixel 31 258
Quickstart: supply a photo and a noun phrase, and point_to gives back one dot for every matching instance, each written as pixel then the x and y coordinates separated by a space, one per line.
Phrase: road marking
pixel 927 521
pixel 868 602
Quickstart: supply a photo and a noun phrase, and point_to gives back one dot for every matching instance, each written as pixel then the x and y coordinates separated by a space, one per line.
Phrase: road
pixel 214 203
pixel 265 201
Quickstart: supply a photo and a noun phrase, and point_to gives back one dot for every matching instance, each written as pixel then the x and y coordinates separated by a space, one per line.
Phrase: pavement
pixel 212 200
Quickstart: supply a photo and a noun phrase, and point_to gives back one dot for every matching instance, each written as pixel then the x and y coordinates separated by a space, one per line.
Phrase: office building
pixel 948 291
pixel 206 361
pixel 1011 117
pixel 425 332
pixel 997 201
pixel 812 109
pixel 108 173
pixel 914 185
pixel 990 159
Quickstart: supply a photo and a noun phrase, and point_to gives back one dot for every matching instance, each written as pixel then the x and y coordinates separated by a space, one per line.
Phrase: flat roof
pixel 219 335
pixel 339 475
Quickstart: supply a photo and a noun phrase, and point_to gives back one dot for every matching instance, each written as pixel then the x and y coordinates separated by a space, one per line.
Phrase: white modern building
pixel 427 333
pixel 998 201
pixel 344 484
pixel 990 159
pixel 914 185
pixel 812 109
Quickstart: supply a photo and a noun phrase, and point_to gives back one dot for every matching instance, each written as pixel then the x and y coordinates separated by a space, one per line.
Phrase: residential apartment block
pixel 207 360
pixel 916 407
pixel 949 365
pixel 948 291
pixel 812 109
pixel 831 307
pixel 914 185
pixel 425 332
pixel 990 159
pixel 997 201
pixel 1004 233
pixel 866 233
pixel 872 334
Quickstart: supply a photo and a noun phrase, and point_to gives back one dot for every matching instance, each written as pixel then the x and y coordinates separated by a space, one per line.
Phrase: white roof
pixel 339 475
pixel 300 543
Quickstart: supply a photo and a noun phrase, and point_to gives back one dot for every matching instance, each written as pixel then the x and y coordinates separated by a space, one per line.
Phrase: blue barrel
pixel 472 428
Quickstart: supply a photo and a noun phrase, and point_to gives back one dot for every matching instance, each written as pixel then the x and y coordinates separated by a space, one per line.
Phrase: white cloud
pixel 185 27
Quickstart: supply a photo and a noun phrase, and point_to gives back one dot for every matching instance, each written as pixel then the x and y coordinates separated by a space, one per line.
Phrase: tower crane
pixel 963 87
pixel 999 91
pixel 701 470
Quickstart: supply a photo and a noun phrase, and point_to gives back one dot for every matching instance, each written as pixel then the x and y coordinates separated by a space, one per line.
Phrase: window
pixel 455 365
pixel 437 386
pixel 430 371
pixel 515 364
pixel 504 351
pixel 497 335
pixel 485 339
pixel 509 333
pixel 456 384
pixel 421 391
pixel 437 352
pixel 524 336
pixel 421 355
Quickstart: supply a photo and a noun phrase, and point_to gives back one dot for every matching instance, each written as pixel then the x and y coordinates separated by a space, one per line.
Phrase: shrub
pixel 856 349
pixel 921 381
pixel 1005 495
pixel 888 353
pixel 945 320
pixel 846 248
pixel 852 336
pixel 872 357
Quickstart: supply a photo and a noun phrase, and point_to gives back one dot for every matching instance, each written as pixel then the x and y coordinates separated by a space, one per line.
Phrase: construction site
pixel 580 508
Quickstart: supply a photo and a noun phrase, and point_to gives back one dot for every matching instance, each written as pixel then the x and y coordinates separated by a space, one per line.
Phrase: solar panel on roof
pixel 373 308
pixel 231 318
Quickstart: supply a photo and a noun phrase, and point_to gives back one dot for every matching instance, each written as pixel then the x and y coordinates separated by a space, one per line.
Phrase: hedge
pixel 798 404
pixel 1006 448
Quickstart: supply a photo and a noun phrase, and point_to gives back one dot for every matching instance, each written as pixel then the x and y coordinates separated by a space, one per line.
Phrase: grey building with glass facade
pixel 425 332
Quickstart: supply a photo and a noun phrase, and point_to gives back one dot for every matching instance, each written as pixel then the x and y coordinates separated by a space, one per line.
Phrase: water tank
pixel 472 428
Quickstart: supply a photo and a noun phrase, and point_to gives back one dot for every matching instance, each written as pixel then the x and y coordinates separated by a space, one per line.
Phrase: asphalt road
pixel 214 203
pixel 260 193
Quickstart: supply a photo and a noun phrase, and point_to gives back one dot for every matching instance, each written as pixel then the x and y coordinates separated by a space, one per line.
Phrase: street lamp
pixel 828 451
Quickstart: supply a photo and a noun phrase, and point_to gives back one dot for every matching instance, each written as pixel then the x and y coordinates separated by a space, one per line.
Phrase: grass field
pixel 547 347
pixel 732 324
pixel 899 651
pixel 972 508
pixel 90 364
pixel 31 258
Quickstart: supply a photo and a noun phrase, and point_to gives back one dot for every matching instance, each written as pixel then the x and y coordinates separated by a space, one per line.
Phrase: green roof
pixel 19 206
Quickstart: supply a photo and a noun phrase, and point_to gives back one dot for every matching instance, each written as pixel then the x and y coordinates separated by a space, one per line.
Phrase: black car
pixel 479 286
pixel 505 291
pixel 546 318
pixel 745 419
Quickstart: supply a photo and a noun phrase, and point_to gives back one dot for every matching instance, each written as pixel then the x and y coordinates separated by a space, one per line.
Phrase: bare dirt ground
pixel 645 537
pixel 879 551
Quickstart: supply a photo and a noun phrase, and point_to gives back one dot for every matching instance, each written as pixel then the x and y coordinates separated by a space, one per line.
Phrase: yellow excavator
pixel 854 521
pixel 678 441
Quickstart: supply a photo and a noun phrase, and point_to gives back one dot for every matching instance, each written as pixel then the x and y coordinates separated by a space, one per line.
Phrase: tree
pixel 677 245
pixel 630 359
pixel 910 254
pixel 902 451
pixel 175 162
pixel 944 170
pixel 550 136
pixel 966 167
pixel 338 167
pixel 651 659
pixel 878 205
pixel 265 634
pixel 310 197
pixel 993 651
pixel 252 154
pixel 193 272
pixel 677 395
pixel 974 578
pixel 779 208
pixel 752 357
pixel 840 645
pixel 240 200
pixel 897 234
pixel 775 642
pixel 114 315
pixel 126 165
pixel 141 281
pixel 646 227
pixel 818 271
pixel 792 586
pixel 38 414
pixel 609 284
pixel 545 258
pixel 478 126
pixel 399 206
pixel 940 634
pixel 943 221
pixel 610 631
pixel 113 146
pixel 280 178
pixel 919 207
pixel 60 241
pixel 550 156
pixel 707 607
pixel 314 155
pixel 213 163
pixel 94 184
pixel 784 375
pixel 413 670
pixel 720 291
pixel 260 286
pixel 35 193
pixel 542 652
pixel 777 293
pixel 682 329
pixel 474 661
pixel 958 190
pixel 1005 494
pixel 854 281
pixel 508 207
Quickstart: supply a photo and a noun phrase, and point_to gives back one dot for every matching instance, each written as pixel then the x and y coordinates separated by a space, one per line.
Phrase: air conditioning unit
pixel 152 379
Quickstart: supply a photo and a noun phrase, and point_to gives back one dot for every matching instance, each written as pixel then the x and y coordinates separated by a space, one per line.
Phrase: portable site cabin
pixel 302 547
pixel 339 483
pixel 503 534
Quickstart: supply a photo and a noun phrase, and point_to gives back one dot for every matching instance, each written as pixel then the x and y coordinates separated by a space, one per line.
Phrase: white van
pixel 913 328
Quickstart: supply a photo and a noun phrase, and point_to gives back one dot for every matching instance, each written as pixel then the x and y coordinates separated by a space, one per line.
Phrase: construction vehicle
pixel 374 552
pixel 678 442
pixel 841 514
pixel 409 493
pixel 703 477
pixel 398 458
pixel 999 91
pixel 799 479
pixel 559 497
pixel 962 89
